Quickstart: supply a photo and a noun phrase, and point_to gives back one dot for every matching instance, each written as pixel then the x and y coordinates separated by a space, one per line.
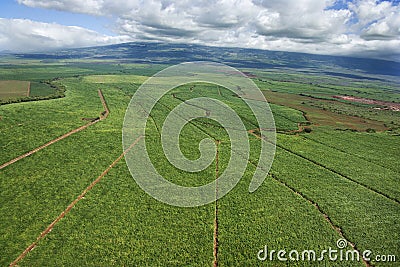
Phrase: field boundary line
pixel 106 111
pixel 316 206
pixel 188 121
pixel 369 188
pixel 28 92
pixel 104 115
pixel 72 204
pixel 46 145
pixel 348 153
pixel 324 214
pixel 152 119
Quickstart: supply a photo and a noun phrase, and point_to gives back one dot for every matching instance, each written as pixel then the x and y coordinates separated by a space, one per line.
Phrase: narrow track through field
pixel 336 228
pixel 70 206
pixel 104 115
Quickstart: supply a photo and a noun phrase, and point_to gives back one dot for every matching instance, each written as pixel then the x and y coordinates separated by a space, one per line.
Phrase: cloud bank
pixel 366 28
pixel 29 36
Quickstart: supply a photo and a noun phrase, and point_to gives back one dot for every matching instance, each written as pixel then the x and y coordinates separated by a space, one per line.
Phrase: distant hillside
pixel 140 52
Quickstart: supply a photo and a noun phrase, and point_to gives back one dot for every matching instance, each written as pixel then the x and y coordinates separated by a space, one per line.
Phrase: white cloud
pixel 369 10
pixel 27 35
pixel 293 25
pixel 385 28
pixel 318 26
pixel 376 20
pixel 92 7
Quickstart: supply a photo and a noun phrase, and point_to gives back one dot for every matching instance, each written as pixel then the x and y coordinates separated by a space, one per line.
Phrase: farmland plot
pixel 14 89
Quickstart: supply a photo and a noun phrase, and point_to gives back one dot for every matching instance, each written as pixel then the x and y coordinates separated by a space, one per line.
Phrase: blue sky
pixel 10 9
pixel 367 28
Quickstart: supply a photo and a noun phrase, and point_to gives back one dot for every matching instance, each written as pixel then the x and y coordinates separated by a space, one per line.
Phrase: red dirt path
pixel 73 203
pixel 106 111
pixel 103 116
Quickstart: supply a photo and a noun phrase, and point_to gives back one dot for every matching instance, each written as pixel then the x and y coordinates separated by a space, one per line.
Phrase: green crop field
pixel 14 89
pixel 331 179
